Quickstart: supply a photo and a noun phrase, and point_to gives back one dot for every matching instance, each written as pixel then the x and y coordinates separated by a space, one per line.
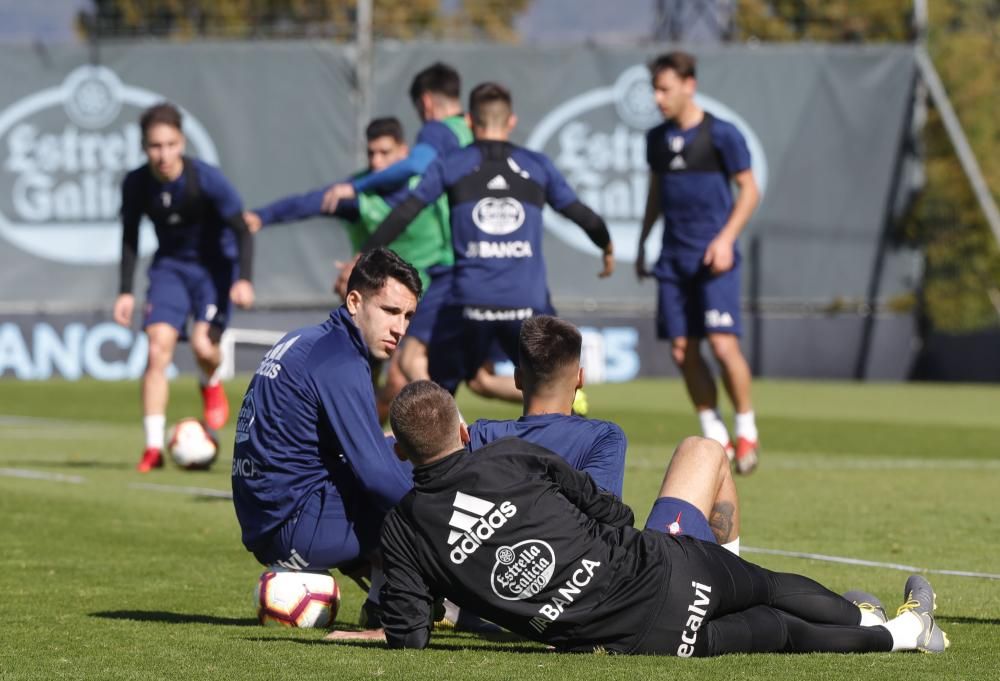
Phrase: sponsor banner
pixel 615 349
pixel 69 131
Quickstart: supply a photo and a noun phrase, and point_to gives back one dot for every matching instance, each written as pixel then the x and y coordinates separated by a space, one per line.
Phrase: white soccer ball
pixel 297 599
pixel 192 445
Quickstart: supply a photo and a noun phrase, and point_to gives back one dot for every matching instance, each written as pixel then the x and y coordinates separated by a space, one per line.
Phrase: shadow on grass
pixel 174 618
pixel 520 646
pixel 966 620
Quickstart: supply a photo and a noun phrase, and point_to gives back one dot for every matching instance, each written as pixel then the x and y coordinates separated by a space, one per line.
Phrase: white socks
pixel 154 427
pixel 734 548
pixel 870 619
pixel 713 427
pixel 746 426
pixel 208 381
pixel 905 630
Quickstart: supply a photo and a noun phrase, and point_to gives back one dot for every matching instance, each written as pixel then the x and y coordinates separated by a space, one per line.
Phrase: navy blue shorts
pixel 693 302
pixel 179 290
pixel 671 515
pixel 435 299
pixel 322 534
pixel 467 338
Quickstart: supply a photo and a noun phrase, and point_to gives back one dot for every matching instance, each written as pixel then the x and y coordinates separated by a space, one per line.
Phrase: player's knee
pixel 204 349
pixel 703 448
pixel 160 355
pixel 724 346
pixel 679 352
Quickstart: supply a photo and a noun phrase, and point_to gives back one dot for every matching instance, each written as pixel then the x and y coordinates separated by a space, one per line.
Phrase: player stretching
pixel 496 192
pixel 515 534
pixel 203 261
pixel 693 157
pixel 698 496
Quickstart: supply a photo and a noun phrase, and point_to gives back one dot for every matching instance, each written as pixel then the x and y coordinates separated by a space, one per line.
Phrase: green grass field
pixel 107 574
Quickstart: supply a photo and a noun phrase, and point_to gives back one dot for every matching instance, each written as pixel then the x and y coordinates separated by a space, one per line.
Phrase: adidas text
pixel 487 526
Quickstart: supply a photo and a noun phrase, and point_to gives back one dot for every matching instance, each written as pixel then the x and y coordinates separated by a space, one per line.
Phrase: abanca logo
pixel 598 140
pixel 63 153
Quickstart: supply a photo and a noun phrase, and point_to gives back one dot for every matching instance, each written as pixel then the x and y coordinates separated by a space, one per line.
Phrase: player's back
pixel 590 445
pixel 496 194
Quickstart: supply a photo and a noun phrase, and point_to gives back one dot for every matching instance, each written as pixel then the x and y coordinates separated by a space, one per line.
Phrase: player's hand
pixel 719 255
pixel 253 221
pixel 641 271
pixel 334 195
pixel 365 635
pixel 344 270
pixel 242 294
pixel 124 307
pixel 609 266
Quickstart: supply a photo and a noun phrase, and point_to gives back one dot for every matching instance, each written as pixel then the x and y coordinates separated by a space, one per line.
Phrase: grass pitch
pixel 107 574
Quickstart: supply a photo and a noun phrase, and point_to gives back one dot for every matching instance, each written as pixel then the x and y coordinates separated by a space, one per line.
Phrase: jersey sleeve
pixel 732 147
pixel 345 393
pixel 583 493
pixel 421 156
pixel 438 137
pixel 131 215
pixel 606 461
pixel 405 597
pixel 221 192
pixel 558 193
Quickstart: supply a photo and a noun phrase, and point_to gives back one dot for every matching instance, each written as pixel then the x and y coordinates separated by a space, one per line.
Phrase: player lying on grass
pixel 697 485
pixel 515 534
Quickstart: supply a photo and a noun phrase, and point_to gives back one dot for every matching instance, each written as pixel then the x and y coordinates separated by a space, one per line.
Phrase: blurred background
pixel 873 255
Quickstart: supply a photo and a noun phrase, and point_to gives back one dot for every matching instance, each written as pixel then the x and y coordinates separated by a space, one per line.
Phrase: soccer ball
pixel 192 445
pixel 297 599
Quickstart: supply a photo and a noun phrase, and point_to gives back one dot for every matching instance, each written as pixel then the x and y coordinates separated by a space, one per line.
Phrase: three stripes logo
pixel 473 521
pixel 270 366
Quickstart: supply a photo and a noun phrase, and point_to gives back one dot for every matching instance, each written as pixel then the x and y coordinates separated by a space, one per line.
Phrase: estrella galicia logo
pixel 523 570
pixel 598 140
pixel 498 216
pixel 63 153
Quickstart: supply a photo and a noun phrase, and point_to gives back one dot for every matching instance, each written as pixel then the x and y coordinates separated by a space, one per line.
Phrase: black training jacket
pixel 514 534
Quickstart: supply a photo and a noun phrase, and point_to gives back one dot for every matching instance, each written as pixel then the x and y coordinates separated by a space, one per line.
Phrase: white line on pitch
pixel 174 489
pixel 40 475
pixel 868 563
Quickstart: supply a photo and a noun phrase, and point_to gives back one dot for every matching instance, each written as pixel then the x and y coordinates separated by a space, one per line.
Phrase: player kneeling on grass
pixel 515 534
pixel 313 474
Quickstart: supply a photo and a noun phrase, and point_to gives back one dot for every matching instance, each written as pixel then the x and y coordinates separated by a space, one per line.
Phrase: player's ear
pixel 517 378
pixel 579 379
pixel 400 454
pixel 511 122
pixel 463 432
pixel 468 119
pixel 353 301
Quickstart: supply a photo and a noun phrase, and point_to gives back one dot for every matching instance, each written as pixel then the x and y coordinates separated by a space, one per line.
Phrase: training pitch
pixel 108 574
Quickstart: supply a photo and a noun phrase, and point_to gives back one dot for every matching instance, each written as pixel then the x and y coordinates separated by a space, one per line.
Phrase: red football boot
pixel 216 406
pixel 151 458
pixel 746 455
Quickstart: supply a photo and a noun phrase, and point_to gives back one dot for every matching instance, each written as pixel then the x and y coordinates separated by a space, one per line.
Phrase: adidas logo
pixel 678 163
pixel 498 183
pixel 473 521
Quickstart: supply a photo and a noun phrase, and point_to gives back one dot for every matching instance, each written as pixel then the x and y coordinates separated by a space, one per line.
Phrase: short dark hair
pixel 546 345
pixel 376 266
pixel 681 63
pixel 439 79
pixel 423 417
pixel 163 113
pixel 385 127
pixel 490 104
